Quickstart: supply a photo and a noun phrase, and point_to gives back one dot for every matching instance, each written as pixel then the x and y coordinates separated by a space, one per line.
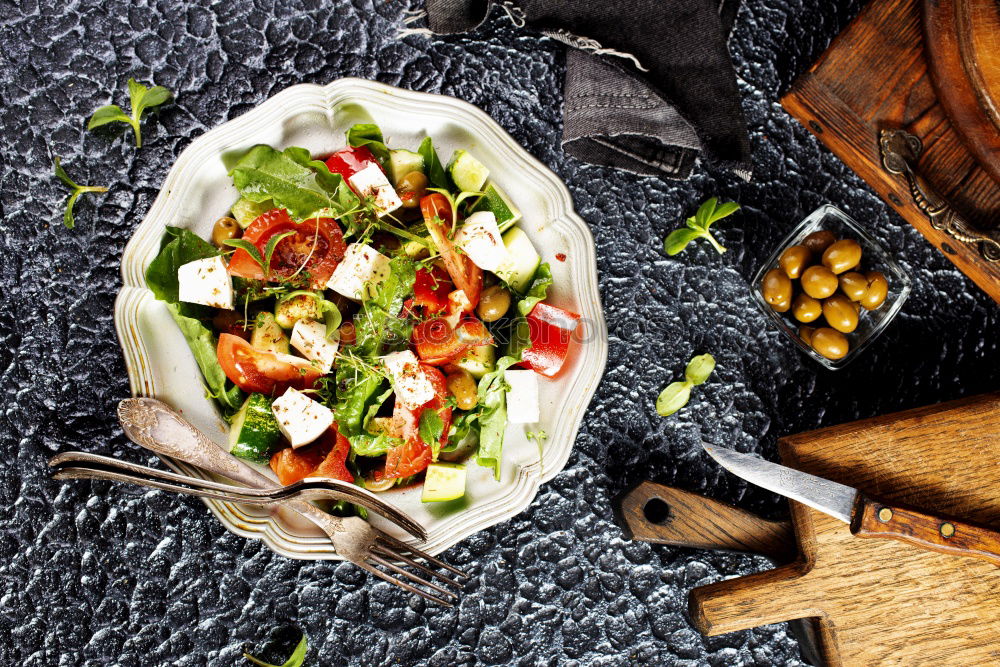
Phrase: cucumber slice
pixel 402 162
pixel 254 431
pixel 267 336
pixel 518 268
pixel 479 361
pixel 444 481
pixel 499 204
pixel 468 173
pixel 246 211
pixel 300 307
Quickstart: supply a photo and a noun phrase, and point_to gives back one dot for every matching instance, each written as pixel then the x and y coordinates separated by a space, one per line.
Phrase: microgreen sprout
pixel 677 394
pixel 297 659
pixel 140 99
pixel 75 191
pixel 698 226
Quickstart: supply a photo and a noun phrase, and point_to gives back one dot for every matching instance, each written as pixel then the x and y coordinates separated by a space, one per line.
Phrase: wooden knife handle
pixel 874 518
pixel 665 515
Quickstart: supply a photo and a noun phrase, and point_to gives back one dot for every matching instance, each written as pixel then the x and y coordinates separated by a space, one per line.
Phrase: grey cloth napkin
pixel 649 84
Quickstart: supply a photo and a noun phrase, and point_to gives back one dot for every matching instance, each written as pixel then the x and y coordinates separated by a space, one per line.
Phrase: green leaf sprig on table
pixel 677 394
pixel 698 226
pixel 297 659
pixel 75 191
pixel 140 99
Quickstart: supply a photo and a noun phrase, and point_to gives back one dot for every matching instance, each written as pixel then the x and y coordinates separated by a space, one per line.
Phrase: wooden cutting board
pixel 882 602
pixel 875 77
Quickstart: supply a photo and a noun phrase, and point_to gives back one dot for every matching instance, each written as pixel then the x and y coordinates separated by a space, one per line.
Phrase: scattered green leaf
pixel 140 99
pixel 431 428
pixel 297 659
pixel 75 191
pixel 436 173
pixel 698 226
pixel 677 394
pixel 369 134
pixel 492 393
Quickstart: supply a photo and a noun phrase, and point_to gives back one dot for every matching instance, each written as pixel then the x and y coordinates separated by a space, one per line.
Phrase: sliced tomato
pixel 551 331
pixel 335 463
pixel 467 277
pixel 414 456
pixel 292 465
pixel 431 289
pixel 264 372
pixel 351 160
pixel 316 246
pixel 437 342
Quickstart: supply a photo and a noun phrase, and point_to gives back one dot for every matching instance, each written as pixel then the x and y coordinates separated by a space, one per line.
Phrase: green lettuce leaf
pixel 435 171
pixel 520 334
pixel 369 134
pixel 493 416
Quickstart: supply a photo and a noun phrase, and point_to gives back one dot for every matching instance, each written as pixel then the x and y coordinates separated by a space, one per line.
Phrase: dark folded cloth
pixel 649 84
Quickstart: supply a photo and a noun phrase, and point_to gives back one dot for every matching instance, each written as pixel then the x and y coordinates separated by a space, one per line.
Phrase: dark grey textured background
pixel 92 574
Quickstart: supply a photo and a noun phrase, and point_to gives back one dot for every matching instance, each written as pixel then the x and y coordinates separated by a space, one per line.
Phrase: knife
pixel 867 517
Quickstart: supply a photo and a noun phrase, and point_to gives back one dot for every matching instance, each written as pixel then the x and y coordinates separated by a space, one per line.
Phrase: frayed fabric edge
pixel 592 46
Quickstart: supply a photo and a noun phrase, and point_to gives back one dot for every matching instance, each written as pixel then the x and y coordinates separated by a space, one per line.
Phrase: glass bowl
pixel 873 258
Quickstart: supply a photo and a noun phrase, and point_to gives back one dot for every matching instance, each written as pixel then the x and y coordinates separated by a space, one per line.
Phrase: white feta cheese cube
pixel 522 397
pixel 363 268
pixel 207 282
pixel 412 386
pixel 300 418
pixel 480 239
pixel 309 339
pixel 371 182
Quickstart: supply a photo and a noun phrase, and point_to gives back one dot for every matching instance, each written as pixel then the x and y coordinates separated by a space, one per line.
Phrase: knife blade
pixel 866 516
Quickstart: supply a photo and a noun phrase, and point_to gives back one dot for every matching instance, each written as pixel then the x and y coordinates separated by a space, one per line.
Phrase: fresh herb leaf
pixel 250 249
pixel 698 226
pixel 75 191
pixel 677 394
pixel 699 368
pixel 436 173
pixel 270 246
pixel 519 338
pixel 492 392
pixel 673 398
pixel 454 202
pixel 369 134
pixel 140 99
pixel 431 429
pixel 297 659
pixel 294 181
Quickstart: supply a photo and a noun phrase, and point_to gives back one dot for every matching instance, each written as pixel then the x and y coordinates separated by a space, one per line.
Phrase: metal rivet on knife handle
pixel 947 530
pixel 884 514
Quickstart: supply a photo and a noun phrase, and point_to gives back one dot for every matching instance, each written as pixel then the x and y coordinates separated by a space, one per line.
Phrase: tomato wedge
pixel 437 342
pixel 431 289
pixel 551 331
pixel 316 246
pixel 351 160
pixel 414 456
pixel 264 372
pixel 467 277
pixel 326 457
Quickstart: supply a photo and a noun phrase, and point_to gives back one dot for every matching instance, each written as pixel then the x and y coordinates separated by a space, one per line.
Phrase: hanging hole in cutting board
pixel 656 511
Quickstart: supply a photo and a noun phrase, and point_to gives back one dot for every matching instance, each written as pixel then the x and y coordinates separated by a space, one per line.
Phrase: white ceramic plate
pixel 198 190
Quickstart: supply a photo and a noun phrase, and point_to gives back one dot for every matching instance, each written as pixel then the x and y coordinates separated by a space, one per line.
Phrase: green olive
pixel 777 290
pixel 819 241
pixel 806 309
pixel 841 313
pixel 224 229
pixel 819 282
pixel 878 289
pixel 830 343
pixel 842 256
pixel 806 333
pixel 494 303
pixel 794 260
pixel 462 386
pixel 411 188
pixel 854 285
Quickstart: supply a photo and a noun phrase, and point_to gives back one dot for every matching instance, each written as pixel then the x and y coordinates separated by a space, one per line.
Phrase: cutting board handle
pixel 662 514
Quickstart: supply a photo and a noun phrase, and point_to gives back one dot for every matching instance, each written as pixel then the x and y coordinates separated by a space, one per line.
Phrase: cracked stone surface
pixel 94 574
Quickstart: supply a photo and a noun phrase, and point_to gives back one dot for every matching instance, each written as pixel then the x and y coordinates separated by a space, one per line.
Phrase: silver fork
pixel 83 465
pixel 159 428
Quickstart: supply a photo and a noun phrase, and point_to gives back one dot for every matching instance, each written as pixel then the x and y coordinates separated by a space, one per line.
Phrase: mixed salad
pixel 375 317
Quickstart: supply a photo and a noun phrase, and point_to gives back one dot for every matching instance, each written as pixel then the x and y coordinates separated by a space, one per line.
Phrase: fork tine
pixel 400 546
pixel 367 567
pixel 406 573
pixel 388 553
